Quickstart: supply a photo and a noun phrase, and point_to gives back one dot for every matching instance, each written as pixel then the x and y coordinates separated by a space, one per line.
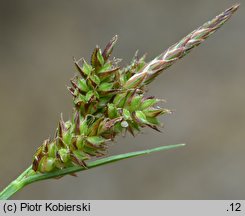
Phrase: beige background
pixel 206 90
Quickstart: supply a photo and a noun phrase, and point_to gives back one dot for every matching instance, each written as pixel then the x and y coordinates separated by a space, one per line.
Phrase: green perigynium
pixel 109 100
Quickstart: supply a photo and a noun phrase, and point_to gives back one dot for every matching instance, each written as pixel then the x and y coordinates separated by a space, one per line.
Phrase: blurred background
pixel 205 89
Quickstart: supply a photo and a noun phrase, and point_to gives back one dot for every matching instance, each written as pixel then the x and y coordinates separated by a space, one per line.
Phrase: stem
pixel 15 185
pixel 29 176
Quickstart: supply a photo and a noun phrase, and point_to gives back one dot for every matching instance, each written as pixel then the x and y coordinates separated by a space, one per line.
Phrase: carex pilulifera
pixel 110 100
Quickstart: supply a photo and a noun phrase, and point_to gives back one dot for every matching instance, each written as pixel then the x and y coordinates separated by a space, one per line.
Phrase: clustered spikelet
pixel 109 100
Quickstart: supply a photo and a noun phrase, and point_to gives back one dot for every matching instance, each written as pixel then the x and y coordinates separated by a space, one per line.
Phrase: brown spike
pixel 61 127
pixel 79 68
pixel 45 145
pixel 78 162
pixel 86 106
pixel 149 97
pixel 35 164
pixel 71 90
pixel 95 147
pixel 77 123
pixel 92 83
pixel 74 84
pixel 60 130
pixel 73 174
pixel 38 156
pixel 109 47
pixel 130 130
pixel 154 127
pixel 108 73
pixel 129 100
pixel 100 154
pixel 94 58
pixel 74 143
pixel 60 143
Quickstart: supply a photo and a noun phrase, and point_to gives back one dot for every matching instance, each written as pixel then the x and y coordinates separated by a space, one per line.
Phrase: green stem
pixel 14 186
pixel 29 176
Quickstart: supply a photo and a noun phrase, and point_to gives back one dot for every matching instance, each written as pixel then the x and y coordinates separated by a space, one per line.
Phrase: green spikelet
pixel 109 100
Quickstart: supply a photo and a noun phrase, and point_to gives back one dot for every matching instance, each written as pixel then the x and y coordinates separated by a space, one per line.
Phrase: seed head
pixel 109 100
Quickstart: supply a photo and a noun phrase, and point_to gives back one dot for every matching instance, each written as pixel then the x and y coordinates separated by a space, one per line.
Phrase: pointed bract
pixel 109 47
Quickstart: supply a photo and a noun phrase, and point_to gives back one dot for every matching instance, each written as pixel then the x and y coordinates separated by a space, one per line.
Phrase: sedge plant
pixel 108 100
